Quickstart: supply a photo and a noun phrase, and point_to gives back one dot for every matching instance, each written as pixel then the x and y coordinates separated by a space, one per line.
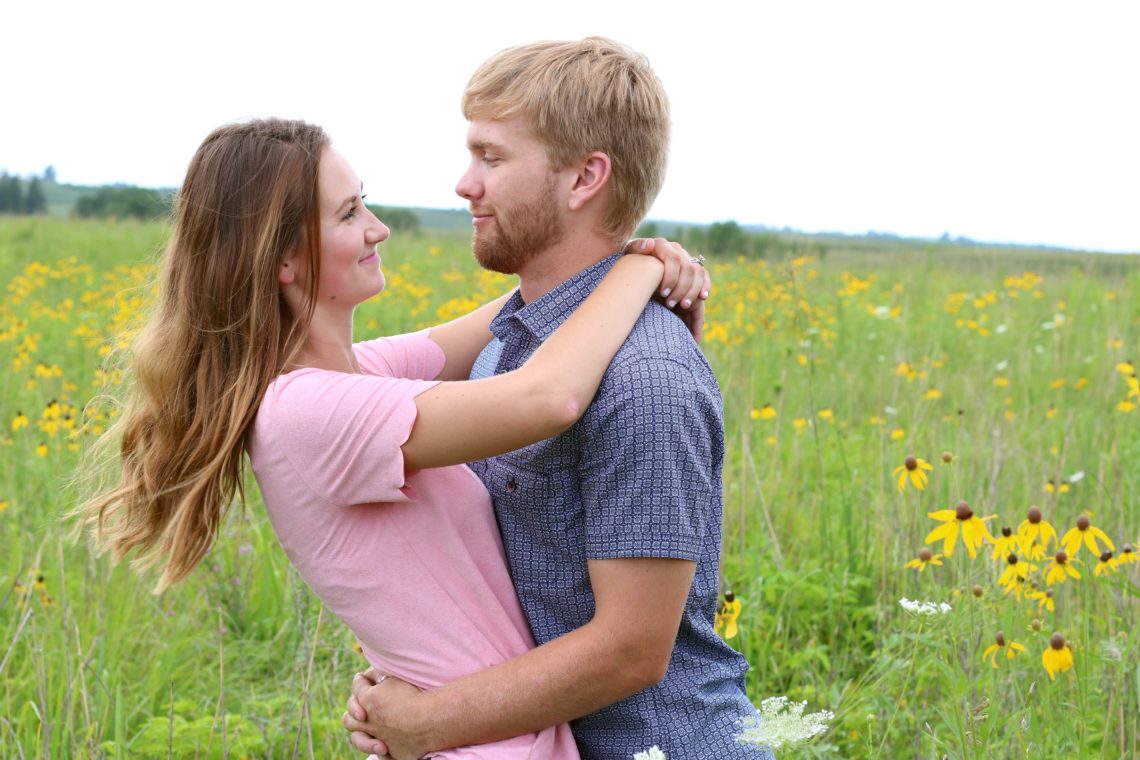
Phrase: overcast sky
pixel 1002 121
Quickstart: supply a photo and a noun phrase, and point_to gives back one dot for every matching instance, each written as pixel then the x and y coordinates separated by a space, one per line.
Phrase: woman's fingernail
pixel 686 303
pixel 645 244
pixel 670 303
pixel 704 294
pixel 665 293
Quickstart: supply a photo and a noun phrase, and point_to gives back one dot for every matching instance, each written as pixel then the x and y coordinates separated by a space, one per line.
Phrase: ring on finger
pixel 698 259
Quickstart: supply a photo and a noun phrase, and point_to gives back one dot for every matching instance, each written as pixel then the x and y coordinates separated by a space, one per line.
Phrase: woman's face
pixel 350 263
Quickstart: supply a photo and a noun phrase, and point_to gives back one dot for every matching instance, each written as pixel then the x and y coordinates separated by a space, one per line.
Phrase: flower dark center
pixel 1127 549
pixel 911 463
pixel 729 597
pixel 1083 523
pixel 925 554
pixel 1000 639
pixel 1012 559
pixel 1057 641
pixel 1034 515
pixel 963 511
pixel 1106 557
pixel 1062 558
pixel 1007 531
pixel 947 457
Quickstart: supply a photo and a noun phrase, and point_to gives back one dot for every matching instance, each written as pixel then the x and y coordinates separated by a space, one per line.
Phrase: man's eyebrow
pixel 483 145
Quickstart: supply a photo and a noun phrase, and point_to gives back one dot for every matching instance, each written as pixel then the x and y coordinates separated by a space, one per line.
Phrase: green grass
pixel 240 660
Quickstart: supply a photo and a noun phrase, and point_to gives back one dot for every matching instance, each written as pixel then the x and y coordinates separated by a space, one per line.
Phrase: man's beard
pixel 520 234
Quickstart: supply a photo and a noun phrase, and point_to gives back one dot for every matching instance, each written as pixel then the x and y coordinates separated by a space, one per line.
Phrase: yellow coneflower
pixel 1052 487
pixel 947 457
pixel 1126 368
pixel 726 614
pixel 1125 406
pixel 1128 555
pixel 1106 562
pixel 1043 598
pixel 1059 383
pixel 826 415
pixel 898 434
pixel 766 412
pixel 1058 657
pixel 962 520
pixel 1016 573
pixel 933 394
pixel 1085 533
pixel 20 421
pixel 1035 529
pixel 1060 569
pixel 1011 650
pixel 915 469
pixel 1005 544
pixel 924 559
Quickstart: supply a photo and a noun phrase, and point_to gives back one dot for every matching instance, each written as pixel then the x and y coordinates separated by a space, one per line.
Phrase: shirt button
pixel 512 485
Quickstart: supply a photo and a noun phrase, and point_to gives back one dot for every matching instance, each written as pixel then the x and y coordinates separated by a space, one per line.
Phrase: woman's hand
pixel 685 284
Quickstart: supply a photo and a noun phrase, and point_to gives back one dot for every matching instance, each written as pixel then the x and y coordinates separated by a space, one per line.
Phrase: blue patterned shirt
pixel 638 476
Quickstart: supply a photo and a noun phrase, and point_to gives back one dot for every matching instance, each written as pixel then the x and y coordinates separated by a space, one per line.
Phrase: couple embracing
pixel 518 513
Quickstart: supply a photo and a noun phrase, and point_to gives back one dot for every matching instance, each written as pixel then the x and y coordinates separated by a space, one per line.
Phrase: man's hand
pixel 685 284
pixel 373 717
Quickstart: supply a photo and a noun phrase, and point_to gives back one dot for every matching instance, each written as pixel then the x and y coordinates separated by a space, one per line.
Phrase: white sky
pixel 998 120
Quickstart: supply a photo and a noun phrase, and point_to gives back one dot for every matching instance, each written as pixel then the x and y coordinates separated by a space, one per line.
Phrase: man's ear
pixel 593 174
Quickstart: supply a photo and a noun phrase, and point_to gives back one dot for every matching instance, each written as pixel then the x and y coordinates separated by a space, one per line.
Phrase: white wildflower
pixel 924 608
pixel 1077 476
pixel 1001 365
pixel 782 722
pixel 1111 650
pixel 653 753
pixel 890 410
pixel 1000 329
pixel 1039 349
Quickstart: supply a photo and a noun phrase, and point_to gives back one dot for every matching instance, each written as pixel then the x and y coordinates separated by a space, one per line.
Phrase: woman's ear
pixel 287 270
pixel 593 174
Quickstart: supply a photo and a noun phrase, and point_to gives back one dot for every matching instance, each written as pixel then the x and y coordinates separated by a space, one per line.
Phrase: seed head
pixel 925 554
pixel 1106 556
pixel 1062 557
pixel 1000 639
pixel 1034 515
pixel 911 463
pixel 963 511
pixel 1127 549
pixel 1012 559
pixel 978 591
pixel 1007 531
pixel 1057 641
pixel 729 597
pixel 1035 624
pixel 947 457
pixel 1083 523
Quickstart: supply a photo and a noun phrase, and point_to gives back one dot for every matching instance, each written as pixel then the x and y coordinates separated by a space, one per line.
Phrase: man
pixel 612 529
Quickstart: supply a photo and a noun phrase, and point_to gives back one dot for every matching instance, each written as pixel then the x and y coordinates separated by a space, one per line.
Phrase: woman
pixel 357 448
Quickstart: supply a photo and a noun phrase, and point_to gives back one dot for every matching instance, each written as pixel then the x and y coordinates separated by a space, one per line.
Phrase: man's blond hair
pixel 590 95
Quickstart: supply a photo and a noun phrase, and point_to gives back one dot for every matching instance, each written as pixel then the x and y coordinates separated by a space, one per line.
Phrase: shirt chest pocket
pixel 539 513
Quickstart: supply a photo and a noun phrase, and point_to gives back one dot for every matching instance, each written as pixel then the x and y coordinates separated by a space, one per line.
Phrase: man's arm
pixel 625 648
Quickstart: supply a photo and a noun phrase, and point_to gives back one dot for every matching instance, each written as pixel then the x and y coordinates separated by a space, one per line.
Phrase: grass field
pixel 1007 370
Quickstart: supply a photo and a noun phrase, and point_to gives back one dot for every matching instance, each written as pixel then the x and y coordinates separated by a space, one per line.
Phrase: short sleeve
pixel 649 474
pixel 412 355
pixel 341 434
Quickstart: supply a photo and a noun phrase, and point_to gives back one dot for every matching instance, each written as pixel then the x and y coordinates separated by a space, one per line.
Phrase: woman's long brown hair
pixel 218 335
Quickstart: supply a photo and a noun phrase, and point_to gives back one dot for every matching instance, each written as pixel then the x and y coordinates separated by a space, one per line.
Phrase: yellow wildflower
pixel 1060 570
pixel 898 434
pixel 21 421
pixel 1126 368
pixel 826 415
pixel 727 613
pixel 1016 572
pixel 1058 657
pixel 1043 598
pixel 925 558
pixel 933 394
pixel 42 449
pixel 1085 533
pixel 766 412
pixel 1011 650
pixel 1125 406
pixel 1052 487
pixel 1035 529
pixel 1005 545
pixel 1058 384
pixel 1051 412
pixel 799 423
pixel 962 520
pixel 1001 382
pixel 1106 562
pixel 915 469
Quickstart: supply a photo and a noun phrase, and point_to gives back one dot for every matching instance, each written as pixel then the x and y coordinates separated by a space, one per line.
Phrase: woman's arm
pixel 463 421
pixel 683 288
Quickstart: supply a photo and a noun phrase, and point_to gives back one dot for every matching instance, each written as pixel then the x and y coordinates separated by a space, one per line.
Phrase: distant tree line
pixel 124 202
pixel 730 239
pixel 15 199
pixel 397 219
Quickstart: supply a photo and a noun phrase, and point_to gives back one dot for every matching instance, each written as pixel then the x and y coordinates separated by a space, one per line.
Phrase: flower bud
pixel 947 457
pixel 1034 515
pixel 1000 639
pixel 979 591
pixel 1057 641
pixel 925 554
pixel 1035 624
pixel 963 511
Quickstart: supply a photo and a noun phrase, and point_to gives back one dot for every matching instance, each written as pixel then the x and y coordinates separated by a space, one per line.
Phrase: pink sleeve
pixel 411 355
pixel 342 433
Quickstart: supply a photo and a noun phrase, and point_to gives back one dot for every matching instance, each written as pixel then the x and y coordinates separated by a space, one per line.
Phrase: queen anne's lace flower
pixel 653 753
pixel 924 608
pixel 781 723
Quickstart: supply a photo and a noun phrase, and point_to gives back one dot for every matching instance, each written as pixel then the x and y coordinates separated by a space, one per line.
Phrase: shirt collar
pixel 545 314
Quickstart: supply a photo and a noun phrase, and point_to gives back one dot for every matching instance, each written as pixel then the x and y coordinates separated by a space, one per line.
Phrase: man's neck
pixel 560 262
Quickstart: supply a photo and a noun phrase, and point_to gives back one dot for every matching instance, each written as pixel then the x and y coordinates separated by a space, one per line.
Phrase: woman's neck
pixel 328 345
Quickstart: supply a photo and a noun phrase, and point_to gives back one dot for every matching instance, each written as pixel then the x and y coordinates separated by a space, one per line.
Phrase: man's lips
pixel 478 219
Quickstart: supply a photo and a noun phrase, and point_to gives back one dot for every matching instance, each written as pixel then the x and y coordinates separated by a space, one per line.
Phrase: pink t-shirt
pixel 412 562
